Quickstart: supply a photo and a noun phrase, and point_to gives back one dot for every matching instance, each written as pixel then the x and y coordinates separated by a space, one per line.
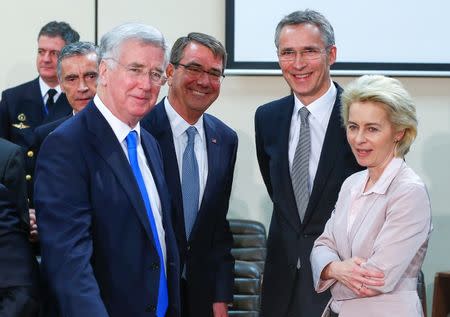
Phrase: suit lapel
pixel 104 141
pixel 213 147
pixel 161 130
pixel 330 149
pixel 34 97
pixel 283 124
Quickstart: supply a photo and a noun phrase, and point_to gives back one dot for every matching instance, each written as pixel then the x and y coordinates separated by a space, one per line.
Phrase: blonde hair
pixel 395 99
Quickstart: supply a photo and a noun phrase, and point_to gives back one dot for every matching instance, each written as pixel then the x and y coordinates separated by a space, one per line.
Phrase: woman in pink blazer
pixel 375 242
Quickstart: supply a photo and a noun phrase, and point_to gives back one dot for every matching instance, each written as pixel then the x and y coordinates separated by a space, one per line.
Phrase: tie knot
pixel 131 140
pixel 51 93
pixel 191 131
pixel 304 113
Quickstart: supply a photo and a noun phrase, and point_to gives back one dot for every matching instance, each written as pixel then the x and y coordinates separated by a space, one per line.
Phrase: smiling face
pixel 47 58
pixel 189 95
pixel 127 96
pixel 79 79
pixel 309 79
pixel 371 135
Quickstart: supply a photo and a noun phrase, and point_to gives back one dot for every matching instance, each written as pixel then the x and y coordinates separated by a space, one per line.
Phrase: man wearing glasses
pixel 103 207
pixel 199 154
pixel 303 157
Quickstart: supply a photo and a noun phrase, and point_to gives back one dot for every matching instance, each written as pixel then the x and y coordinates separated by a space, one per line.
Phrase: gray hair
pixel 76 49
pixel 204 39
pixel 395 99
pixel 311 17
pixel 61 29
pixel 111 42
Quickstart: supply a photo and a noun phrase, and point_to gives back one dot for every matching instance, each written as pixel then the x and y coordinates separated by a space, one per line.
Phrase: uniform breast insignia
pixel 21 125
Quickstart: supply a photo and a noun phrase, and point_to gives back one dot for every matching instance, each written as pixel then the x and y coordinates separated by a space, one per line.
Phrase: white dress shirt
pixel 320 112
pixel 121 130
pixel 179 126
pixel 44 91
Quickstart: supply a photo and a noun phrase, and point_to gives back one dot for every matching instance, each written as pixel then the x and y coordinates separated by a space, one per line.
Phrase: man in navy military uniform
pixel 39 101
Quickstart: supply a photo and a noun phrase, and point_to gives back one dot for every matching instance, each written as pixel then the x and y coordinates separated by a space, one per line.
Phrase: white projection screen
pixel 401 38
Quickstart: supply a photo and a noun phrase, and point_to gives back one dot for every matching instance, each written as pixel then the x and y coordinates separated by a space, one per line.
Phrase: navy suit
pixel 18 266
pixel 209 263
pixel 98 251
pixel 41 132
pixel 286 288
pixel 21 111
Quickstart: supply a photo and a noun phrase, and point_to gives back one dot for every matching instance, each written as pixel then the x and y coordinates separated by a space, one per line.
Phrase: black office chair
pixel 247 290
pixel 249 241
pixel 249 250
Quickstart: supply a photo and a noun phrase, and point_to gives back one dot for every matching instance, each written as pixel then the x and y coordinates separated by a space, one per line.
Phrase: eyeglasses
pixel 309 54
pixel 138 72
pixel 196 71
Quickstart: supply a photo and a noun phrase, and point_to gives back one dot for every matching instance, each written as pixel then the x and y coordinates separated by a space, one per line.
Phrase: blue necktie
pixel 163 298
pixel 189 182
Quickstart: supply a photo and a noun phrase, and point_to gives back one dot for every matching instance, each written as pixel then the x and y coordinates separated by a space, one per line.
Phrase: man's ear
pixel 102 73
pixel 332 55
pixel 170 69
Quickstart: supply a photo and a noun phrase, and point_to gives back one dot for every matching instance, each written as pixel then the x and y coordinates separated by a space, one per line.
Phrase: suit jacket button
pixel 30 153
pixel 189 247
pixel 28 177
pixel 150 309
pixel 154 266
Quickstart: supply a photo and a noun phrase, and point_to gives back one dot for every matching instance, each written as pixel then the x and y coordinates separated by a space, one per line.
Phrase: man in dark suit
pixel 18 266
pixel 304 157
pixel 103 208
pixel 77 71
pixel 24 107
pixel 12 176
pixel 200 194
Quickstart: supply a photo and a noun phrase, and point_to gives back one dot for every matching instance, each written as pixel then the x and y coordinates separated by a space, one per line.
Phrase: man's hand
pixel 351 274
pixel 34 236
pixel 220 309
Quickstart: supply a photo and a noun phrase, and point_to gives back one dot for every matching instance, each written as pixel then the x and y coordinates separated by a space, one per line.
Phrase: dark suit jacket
pixel 209 264
pixel 21 111
pixel 41 132
pixel 288 238
pixel 12 175
pixel 18 266
pixel 98 252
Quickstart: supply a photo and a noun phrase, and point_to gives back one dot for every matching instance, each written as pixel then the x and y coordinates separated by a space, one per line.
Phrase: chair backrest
pixel 249 241
pixel 247 289
pixel 249 250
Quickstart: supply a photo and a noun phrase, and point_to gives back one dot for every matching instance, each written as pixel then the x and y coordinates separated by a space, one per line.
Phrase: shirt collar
pixel 386 178
pixel 178 124
pixel 44 88
pixel 320 108
pixel 120 128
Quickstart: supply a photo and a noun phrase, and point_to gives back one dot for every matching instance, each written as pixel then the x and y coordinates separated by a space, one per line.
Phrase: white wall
pixel 240 97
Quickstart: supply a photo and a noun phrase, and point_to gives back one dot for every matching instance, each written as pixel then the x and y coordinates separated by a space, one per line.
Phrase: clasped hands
pixel 354 276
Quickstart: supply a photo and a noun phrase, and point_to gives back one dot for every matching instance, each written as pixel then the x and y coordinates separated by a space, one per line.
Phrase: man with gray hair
pixel 37 102
pixel 107 243
pixel 303 157
pixel 77 71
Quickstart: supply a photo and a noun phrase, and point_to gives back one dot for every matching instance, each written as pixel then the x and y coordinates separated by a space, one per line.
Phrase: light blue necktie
pixel 163 298
pixel 189 182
